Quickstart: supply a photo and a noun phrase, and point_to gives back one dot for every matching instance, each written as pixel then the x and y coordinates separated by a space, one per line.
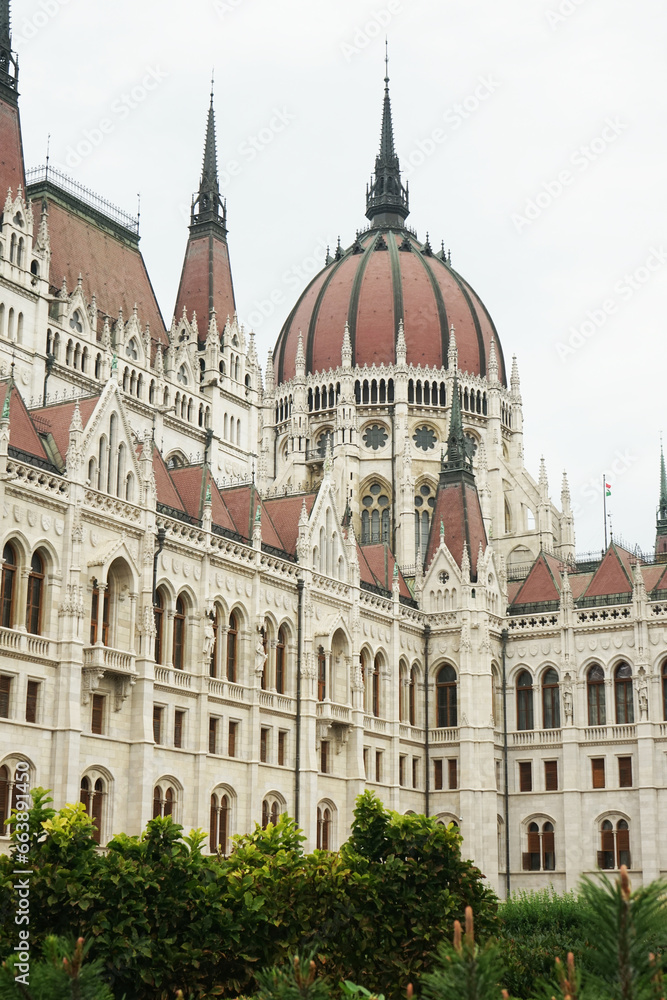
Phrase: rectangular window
pixel 415 771
pixel 378 766
pixel 263 745
pixel 625 772
pixel 401 769
pixel 597 765
pixel 31 701
pixel 179 722
pixel 525 776
pixel 97 723
pixel 437 774
pixel 551 775
pixel 157 724
pixel 324 756
pixel 453 772
pixel 5 691
pixel 231 738
pixel 366 752
pixel 212 735
pixel 499 774
pixel 282 745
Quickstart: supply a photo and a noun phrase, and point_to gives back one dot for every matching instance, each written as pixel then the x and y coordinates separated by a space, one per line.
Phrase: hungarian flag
pixel 607 487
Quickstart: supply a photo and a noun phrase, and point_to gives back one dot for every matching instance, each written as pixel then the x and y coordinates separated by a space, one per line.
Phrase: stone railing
pixel 595 734
pixel 117 661
pixel 374 724
pixel 536 737
pixel 25 643
pixel 173 677
pixel 279 702
pixel 444 735
pixel 329 711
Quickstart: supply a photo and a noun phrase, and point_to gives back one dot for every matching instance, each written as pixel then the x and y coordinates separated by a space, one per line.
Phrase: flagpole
pixel 604 501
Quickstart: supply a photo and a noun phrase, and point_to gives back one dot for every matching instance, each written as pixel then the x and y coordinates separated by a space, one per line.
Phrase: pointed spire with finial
pixel 663 485
pixel 346 350
pixel 300 360
pixel 565 499
pixel 493 362
pixel 452 351
pixel 208 206
pixel 661 520
pixel 543 481
pixel 9 64
pixel 458 451
pixel 401 349
pixel 270 377
pixel 387 201
pixel 515 383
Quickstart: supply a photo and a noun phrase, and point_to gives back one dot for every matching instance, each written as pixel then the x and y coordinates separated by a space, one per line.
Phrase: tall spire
pixel 208 206
pixel 458 450
pixel 661 520
pixel 387 202
pixel 9 64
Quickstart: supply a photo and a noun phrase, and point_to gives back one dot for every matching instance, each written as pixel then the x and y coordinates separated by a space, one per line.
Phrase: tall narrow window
pixel 179 722
pixel 31 702
pixel 625 711
pixel 157 723
pixel 179 634
pixel 412 698
pixel 664 690
pixel 35 594
pixel 265 647
pixel 376 686
pixel 157 802
pixel 97 721
pixel 548 848
pixel 264 745
pixel 445 695
pixel 437 774
pixel 213 662
pixel 324 756
pixel 378 766
pixel 321 674
pixel 323 828
pixel 525 776
pixel 219 826
pixel 625 772
pixel 158 612
pixel 280 661
pixel 524 701
pixel 597 772
pixel 231 739
pixel 531 859
pixel 99 609
pixel 453 772
pixel 550 700
pixel 212 735
pixel 9 566
pixel 622 844
pixel 597 715
pixel 232 647
pixel 5 693
pixel 282 744
pixel 551 775
pixel 96 810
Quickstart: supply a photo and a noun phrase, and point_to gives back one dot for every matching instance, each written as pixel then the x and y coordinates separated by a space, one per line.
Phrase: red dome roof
pixel 386 276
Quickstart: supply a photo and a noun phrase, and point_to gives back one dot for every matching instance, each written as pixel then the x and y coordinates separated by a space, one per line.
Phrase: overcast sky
pixel 532 133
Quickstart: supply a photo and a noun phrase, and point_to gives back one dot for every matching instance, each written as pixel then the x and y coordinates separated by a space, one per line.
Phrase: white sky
pixel 557 73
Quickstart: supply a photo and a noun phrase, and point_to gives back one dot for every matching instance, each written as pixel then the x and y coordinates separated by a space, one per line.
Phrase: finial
pixel 208 494
pixel 386 62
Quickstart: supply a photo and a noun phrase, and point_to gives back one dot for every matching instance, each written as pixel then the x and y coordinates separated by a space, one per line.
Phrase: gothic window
pixel 8 797
pixel 164 801
pixel 550 700
pixel 412 700
pixel 179 634
pixel 623 694
pixel 75 321
pixel 132 350
pixel 445 698
pixel 375 437
pixel 424 504
pixel 597 715
pixel 9 567
pixel 541 853
pixel 92 797
pixel 425 438
pixel 99 615
pixel 232 647
pixel 321 674
pixel 324 441
pixel 281 650
pixel 664 690
pixel 182 375
pixel 614 844
pixel 270 811
pixel 524 701
pixel 375 687
pixel 158 612
pixel 323 828
pixel 375 516
pixel 219 825
pixel 35 595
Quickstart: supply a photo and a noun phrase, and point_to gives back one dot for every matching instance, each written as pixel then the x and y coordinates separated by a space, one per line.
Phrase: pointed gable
pixel 23 435
pixel 283 513
pixel 457 507
pixel 188 483
pixel 167 493
pixel 613 576
pixel 661 585
pixel 56 419
pixel 376 567
pixel 542 583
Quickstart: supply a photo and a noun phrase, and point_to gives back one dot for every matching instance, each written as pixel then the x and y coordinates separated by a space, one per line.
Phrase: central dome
pixel 386 276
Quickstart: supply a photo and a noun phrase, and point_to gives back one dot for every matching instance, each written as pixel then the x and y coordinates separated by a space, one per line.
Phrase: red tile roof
pixel 613 575
pixel 542 583
pixel 56 420
pixel 166 491
pixel 206 275
pixel 12 173
pixel 376 566
pixel 112 270
pixel 22 432
pixel 457 507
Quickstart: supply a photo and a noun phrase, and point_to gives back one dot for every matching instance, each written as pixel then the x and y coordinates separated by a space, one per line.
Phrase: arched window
pixel 614 844
pixel 8 796
pixel 321 674
pixel 664 690
pixel 445 697
pixel 92 797
pixel 164 801
pixel 215 625
pixel 158 611
pixel 179 634
pixel 524 701
pixel 550 700
pixel 9 567
pixel 270 811
pixel 412 700
pixel 375 516
pixel 35 595
pixel 219 824
pixel 99 630
pixel 232 647
pixel 597 715
pixel 323 828
pixel 541 853
pixel 424 504
pixel 281 649
pixel 625 711
pixel 375 687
